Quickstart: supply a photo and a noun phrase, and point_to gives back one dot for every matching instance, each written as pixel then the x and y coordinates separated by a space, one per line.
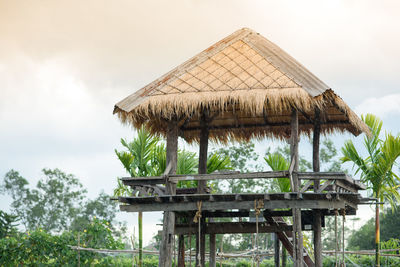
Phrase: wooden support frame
pixel 294 152
pixel 202 184
pixel 166 246
pixel 155 180
pixel 231 228
pixel 245 204
pixel 276 250
pixel 317 218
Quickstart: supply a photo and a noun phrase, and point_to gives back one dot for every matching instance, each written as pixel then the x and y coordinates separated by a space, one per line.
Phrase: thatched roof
pixel 247 85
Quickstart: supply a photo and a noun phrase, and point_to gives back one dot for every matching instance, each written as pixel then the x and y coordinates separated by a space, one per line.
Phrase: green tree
pixel 364 238
pixel 376 167
pixel 8 224
pixel 101 207
pixel 53 204
pixel 243 158
pixel 138 160
pixel 58 202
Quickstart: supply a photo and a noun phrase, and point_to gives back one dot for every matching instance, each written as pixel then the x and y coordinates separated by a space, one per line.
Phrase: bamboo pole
pixel 140 225
pixel 377 235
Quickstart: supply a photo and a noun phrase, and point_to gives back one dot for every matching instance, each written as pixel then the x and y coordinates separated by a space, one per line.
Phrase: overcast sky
pixel 64 64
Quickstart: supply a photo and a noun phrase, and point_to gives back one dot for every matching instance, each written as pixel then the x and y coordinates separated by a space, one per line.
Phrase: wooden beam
pixel 244 126
pixel 224 176
pixel 245 204
pixel 166 246
pixel 231 228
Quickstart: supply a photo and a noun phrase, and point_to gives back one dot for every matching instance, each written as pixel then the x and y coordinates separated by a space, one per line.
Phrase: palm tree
pixel 146 156
pixel 277 162
pixel 376 167
pixel 137 162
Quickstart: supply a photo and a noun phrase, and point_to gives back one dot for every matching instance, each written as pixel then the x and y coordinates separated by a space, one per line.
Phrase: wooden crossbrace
pixel 306 186
pixel 286 239
pixel 325 185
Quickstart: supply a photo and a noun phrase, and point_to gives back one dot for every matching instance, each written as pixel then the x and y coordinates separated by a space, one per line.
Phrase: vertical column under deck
pixel 294 152
pixel 166 246
pixel 317 228
pixel 201 186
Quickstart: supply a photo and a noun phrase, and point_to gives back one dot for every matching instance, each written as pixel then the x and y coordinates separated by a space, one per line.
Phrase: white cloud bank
pixel 380 106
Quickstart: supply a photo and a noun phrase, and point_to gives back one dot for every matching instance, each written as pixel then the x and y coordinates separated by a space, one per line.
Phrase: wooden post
pixel 294 152
pixel 133 247
pixel 203 150
pixel 166 245
pixel 201 186
pixel 317 213
pixel 213 249
pixel 221 250
pixel 181 251
pixel 276 249
pixel 203 242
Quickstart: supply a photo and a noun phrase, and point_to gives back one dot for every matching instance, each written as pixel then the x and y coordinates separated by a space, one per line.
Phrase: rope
pixel 197 216
pixel 197 219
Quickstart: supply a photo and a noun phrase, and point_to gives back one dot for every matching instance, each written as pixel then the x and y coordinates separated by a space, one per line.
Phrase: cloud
pixel 64 64
pixel 380 106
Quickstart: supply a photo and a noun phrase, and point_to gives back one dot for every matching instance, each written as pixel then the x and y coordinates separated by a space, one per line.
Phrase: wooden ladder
pixel 286 239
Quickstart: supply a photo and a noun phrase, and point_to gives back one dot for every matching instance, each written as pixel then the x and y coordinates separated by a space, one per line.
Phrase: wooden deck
pixel 334 191
pixel 212 202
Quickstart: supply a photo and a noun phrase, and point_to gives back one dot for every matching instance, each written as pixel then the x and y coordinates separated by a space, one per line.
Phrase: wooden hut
pixel 242 87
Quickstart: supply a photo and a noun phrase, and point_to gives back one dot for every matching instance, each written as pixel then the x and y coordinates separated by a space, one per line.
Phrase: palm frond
pixel 126 159
pixel 218 162
pixel 187 162
pixel 277 162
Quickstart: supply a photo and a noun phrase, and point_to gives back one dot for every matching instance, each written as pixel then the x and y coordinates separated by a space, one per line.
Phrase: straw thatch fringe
pixel 155 111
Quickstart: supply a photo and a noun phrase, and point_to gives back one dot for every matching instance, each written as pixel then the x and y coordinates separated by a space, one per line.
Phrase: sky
pixel 64 64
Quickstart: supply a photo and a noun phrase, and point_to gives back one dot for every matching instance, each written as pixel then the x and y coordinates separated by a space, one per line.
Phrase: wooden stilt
pixel 166 245
pixel 203 243
pixel 212 251
pixel 276 250
pixel 203 150
pixel 294 152
pixel 201 186
pixel 181 251
pixel 317 213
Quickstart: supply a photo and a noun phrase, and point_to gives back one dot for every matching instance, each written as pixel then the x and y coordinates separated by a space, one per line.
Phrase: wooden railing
pixel 330 181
